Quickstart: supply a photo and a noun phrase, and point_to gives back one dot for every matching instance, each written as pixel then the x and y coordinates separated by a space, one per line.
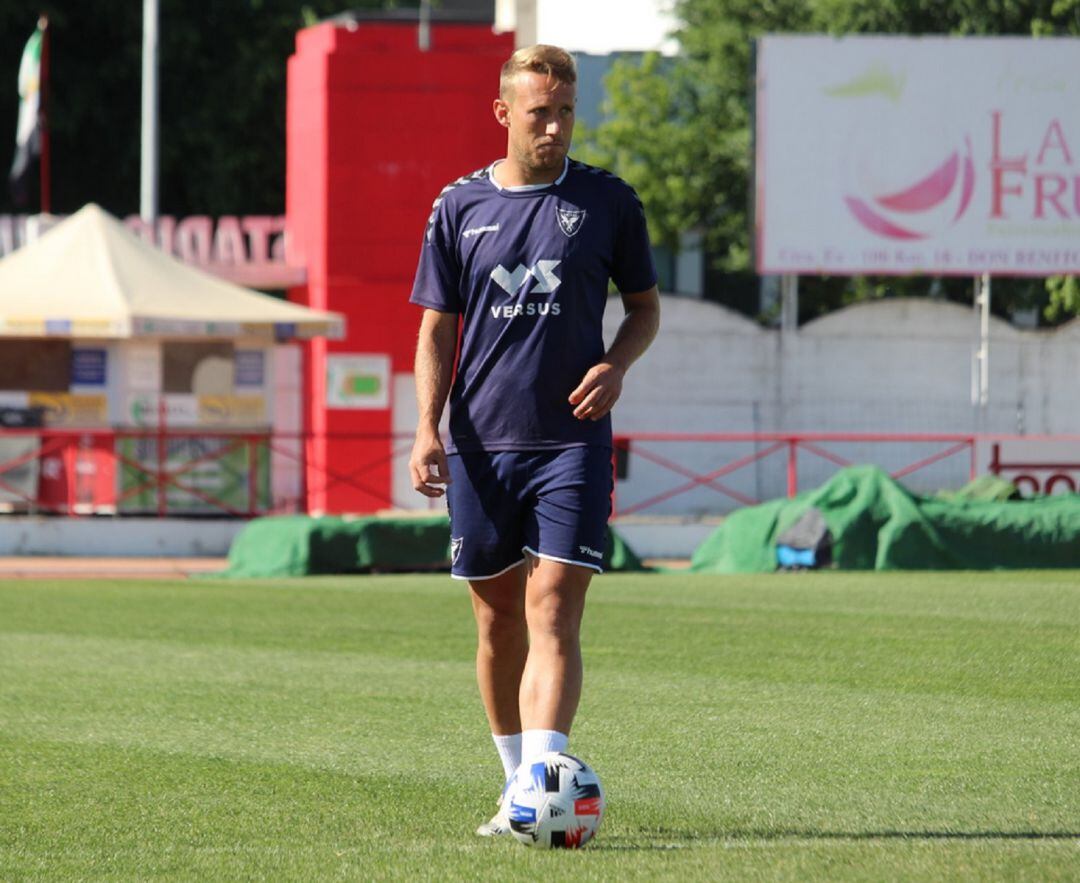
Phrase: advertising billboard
pixel 917 155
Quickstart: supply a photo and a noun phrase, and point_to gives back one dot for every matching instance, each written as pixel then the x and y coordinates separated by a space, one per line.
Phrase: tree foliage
pixel 679 129
pixel 221 100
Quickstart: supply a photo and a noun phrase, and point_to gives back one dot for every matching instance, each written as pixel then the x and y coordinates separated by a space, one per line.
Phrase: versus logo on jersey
pixel 570 219
pixel 540 278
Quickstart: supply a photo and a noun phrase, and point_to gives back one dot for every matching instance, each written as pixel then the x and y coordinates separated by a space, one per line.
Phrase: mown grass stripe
pixel 821 726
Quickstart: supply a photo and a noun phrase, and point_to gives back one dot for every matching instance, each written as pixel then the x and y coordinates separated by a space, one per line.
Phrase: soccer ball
pixel 556 802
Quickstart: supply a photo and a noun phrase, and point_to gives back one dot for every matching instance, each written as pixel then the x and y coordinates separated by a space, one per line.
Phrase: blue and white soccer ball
pixel 556 802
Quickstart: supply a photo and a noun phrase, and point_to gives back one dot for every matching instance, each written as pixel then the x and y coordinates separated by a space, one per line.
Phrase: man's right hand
pixel 428 466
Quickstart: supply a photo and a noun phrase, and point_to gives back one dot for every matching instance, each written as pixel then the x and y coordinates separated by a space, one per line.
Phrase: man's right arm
pixel 434 369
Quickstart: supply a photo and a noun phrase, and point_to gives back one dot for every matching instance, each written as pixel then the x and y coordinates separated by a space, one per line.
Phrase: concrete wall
pixel 128 537
pixel 892 366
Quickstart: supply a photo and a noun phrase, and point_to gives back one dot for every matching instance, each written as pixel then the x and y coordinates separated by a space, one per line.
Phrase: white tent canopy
pixel 91 277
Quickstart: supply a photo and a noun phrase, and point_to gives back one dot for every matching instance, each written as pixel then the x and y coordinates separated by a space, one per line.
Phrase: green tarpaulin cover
pixel 878 525
pixel 298 545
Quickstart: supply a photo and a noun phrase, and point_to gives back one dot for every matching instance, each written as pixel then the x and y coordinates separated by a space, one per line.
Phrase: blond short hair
pixel 551 61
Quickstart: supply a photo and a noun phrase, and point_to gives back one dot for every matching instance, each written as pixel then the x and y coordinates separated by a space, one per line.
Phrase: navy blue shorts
pixel 552 504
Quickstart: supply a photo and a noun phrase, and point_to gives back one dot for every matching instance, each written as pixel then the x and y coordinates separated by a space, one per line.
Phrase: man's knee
pixel 500 618
pixel 555 602
pixel 499 627
pixel 554 626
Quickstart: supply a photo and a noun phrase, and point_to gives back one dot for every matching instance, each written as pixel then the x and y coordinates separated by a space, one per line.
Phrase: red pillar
pixel 375 129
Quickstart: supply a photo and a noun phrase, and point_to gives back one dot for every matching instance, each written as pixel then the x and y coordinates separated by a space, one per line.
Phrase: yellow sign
pixel 15 327
pixel 232 411
pixel 68 409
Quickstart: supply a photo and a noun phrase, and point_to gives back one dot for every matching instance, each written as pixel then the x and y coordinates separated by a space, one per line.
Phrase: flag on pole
pixel 28 133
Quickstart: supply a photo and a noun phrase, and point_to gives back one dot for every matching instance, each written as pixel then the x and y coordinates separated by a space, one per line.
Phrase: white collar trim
pixel 525 188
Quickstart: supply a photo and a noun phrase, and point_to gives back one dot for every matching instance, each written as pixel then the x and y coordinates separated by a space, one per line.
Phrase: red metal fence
pixel 242 475
pixel 1036 476
pixel 787 445
pixel 924 461
pixel 74 472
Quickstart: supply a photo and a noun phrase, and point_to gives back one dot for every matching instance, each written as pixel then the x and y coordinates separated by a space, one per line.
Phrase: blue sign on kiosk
pixel 88 366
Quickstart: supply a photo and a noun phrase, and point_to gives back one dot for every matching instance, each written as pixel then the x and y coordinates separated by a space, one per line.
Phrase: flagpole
pixel 44 165
pixel 148 182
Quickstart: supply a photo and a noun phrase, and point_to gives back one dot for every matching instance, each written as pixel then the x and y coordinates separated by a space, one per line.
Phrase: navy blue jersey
pixel 528 270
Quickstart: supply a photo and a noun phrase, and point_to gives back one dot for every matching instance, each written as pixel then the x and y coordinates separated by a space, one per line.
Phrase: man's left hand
pixel 598 391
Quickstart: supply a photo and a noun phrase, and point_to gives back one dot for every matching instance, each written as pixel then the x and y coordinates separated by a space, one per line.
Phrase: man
pixel 521 252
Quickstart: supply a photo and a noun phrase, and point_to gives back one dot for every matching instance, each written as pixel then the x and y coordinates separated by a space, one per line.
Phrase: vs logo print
pixel 541 274
pixel 540 278
pixel 570 219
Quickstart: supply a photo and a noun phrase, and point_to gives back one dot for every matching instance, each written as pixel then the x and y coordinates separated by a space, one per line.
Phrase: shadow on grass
pixel 665 839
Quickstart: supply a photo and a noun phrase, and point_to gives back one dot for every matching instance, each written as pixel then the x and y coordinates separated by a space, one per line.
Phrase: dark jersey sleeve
pixel 633 268
pixel 438 275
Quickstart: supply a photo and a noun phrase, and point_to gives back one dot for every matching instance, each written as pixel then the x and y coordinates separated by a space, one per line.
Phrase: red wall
pixel 375 129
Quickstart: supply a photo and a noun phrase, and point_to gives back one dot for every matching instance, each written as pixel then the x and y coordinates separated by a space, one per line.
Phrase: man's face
pixel 539 113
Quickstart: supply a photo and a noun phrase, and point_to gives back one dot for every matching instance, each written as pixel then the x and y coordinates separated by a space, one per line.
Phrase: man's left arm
pixel 601 386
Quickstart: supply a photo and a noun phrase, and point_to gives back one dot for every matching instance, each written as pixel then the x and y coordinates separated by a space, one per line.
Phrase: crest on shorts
pixel 570 219
pixel 455 549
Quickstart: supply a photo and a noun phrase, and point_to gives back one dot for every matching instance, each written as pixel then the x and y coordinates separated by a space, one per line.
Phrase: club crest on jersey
pixel 570 219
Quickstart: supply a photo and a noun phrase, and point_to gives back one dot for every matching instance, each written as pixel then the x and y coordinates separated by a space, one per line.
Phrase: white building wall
pixel 1058 387
pixel 891 366
pixel 711 370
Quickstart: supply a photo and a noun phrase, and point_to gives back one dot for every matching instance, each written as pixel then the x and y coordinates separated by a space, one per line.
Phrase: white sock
pixel 537 742
pixel 509 748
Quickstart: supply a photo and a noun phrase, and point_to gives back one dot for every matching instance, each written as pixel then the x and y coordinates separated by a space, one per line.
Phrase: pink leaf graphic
pixel 928 192
pixel 968 187
pixel 875 223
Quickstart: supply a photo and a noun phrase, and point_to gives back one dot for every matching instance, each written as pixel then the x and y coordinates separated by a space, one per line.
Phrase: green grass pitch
pixel 829 726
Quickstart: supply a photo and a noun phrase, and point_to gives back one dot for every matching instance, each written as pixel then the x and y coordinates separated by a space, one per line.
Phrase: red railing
pixel 102 470
pixel 190 471
pixel 245 474
pixel 1029 478
pixel 788 443
pixel 935 448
